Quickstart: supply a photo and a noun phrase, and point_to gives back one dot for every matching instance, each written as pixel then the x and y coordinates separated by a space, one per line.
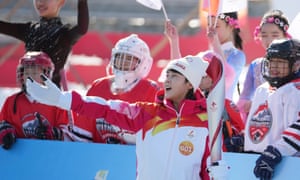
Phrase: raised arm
pixel 215 46
pixel 83 16
pixel 173 37
pixel 119 113
pixel 16 30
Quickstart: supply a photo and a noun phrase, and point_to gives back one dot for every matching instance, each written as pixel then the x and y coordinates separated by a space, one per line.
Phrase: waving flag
pixel 232 5
pixel 214 7
pixel 294 27
pixel 210 6
pixel 154 4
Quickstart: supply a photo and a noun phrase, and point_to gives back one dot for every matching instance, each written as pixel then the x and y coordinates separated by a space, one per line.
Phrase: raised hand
pixel 48 94
pixel 171 31
pixel 173 37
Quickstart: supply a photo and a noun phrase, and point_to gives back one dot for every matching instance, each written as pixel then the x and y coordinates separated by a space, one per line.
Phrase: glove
pixel 266 163
pixel 48 94
pixel 109 133
pixel 235 143
pixel 46 131
pixel 7 135
pixel 218 171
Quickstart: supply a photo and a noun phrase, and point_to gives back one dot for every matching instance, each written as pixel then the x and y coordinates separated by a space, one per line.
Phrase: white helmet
pixel 130 62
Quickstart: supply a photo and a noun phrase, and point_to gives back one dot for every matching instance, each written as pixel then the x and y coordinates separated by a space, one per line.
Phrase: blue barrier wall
pixel 49 160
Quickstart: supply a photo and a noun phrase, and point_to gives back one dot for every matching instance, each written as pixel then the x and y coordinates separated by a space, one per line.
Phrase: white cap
pixel 191 67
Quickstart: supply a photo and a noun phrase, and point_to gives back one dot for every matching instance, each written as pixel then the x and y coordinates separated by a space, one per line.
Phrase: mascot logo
pixel 260 124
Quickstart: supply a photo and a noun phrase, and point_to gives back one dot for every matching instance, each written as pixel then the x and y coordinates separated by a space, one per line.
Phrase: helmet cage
pixel 125 62
pixel 276 81
pixel 134 53
pixel 34 60
pixel 285 49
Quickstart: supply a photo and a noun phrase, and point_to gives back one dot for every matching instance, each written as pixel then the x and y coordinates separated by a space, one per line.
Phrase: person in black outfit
pixel 49 34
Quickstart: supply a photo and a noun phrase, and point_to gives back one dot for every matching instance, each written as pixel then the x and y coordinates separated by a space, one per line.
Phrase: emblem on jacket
pixel 260 123
pixel 186 148
pixel 30 124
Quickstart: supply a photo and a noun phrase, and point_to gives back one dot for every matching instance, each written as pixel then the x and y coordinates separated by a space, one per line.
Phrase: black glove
pixel 112 140
pixel 235 143
pixel 266 163
pixel 46 131
pixel 7 135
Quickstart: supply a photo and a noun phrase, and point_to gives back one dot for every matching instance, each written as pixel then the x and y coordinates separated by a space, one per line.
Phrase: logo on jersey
pixel 260 123
pixel 30 124
pixel 186 148
pixel 191 133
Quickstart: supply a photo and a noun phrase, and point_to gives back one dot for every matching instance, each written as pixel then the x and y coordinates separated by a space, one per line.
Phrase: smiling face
pixel 224 30
pixel 278 68
pixel 176 86
pixel 268 33
pixel 48 8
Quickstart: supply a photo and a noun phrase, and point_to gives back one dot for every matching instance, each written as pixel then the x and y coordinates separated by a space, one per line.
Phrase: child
pixel 49 34
pixel 272 127
pixel 225 37
pixel 21 116
pixel 172 133
pixel 130 65
pixel 274 25
pixel 224 40
pixel 233 124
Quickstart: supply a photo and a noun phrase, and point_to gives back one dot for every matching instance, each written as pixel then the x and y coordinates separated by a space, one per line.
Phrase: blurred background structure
pixel 125 15
pixel 111 20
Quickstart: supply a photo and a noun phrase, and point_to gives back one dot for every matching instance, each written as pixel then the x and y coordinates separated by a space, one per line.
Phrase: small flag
pixel 294 27
pixel 232 6
pixel 210 6
pixel 153 4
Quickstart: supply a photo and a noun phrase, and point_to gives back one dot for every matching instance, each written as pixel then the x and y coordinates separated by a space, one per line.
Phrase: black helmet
pixel 286 49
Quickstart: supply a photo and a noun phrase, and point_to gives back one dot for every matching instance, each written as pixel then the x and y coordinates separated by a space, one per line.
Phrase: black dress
pixel 50 36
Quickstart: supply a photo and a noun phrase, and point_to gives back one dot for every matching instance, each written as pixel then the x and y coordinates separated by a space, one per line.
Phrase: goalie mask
pixel 130 62
pixel 33 64
pixel 281 57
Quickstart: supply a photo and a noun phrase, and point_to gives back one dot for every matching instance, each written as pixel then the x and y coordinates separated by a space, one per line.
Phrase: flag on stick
pixel 232 5
pixel 214 7
pixel 154 4
pixel 210 6
pixel 294 27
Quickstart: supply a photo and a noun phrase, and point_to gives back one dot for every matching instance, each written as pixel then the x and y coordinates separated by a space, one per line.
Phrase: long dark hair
pixel 231 19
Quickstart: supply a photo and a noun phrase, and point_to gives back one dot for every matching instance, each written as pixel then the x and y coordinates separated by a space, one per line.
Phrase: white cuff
pixel 65 100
